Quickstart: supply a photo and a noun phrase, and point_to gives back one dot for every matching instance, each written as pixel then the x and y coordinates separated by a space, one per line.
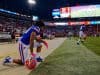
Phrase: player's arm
pixel 32 38
pixel 39 39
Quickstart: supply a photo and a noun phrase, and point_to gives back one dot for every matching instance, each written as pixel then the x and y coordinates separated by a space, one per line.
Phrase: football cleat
pixel 6 60
pixel 39 59
pixel 78 43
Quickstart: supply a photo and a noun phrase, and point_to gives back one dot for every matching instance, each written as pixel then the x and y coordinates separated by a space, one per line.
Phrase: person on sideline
pixel 30 39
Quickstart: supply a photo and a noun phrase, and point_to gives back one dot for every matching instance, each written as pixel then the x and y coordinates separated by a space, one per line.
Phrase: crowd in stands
pixel 11 24
pixel 16 27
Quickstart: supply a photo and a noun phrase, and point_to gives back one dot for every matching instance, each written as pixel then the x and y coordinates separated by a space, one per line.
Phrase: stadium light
pixel 31 1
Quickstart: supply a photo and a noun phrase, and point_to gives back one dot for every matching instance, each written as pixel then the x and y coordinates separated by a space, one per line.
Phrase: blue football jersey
pixel 26 36
pixel 82 28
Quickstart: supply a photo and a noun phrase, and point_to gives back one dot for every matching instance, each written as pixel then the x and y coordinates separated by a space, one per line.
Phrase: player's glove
pixel 32 55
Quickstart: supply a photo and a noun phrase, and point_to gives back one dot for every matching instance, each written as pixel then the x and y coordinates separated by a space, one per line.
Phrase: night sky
pixel 43 8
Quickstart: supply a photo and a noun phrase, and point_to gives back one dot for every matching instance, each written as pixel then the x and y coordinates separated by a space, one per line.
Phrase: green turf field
pixel 70 59
pixel 93 43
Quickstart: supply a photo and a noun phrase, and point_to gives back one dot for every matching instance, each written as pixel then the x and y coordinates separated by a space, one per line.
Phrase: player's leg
pixel 79 39
pixel 23 50
pixel 8 59
pixel 38 51
pixel 78 42
pixel 82 40
pixel 20 61
pixel 38 57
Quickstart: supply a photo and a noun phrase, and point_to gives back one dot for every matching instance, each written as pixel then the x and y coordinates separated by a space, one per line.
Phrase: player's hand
pixel 33 55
